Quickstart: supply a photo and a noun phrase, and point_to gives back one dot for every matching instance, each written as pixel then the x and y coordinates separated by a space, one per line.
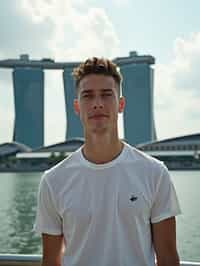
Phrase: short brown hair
pixel 99 66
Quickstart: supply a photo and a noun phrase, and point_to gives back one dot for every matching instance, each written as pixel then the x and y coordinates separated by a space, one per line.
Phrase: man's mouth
pixel 98 116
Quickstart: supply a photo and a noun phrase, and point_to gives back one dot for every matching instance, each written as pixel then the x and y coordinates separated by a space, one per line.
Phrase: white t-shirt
pixel 105 210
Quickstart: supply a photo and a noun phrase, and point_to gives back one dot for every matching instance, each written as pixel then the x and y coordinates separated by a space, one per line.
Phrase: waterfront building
pixel 137 87
pixel 73 128
pixel 29 106
pixel 28 79
pixel 67 146
pixel 12 148
pixel 181 152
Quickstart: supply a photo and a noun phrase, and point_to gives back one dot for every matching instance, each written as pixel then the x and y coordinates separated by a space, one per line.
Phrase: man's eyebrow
pixel 91 91
pixel 86 91
pixel 107 90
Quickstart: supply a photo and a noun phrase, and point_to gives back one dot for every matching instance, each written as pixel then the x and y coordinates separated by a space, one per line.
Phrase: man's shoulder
pixel 145 160
pixel 62 169
pixel 141 155
pixel 148 168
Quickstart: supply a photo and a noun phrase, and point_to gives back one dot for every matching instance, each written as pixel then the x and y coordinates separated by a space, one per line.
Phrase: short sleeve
pixel 165 203
pixel 47 218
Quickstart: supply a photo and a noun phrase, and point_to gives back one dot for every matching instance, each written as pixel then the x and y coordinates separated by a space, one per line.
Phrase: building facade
pixel 28 79
pixel 73 128
pixel 137 87
pixel 29 106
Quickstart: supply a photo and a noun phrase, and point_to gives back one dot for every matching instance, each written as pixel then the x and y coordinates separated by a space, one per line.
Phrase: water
pixel 188 224
pixel 18 197
pixel 18 193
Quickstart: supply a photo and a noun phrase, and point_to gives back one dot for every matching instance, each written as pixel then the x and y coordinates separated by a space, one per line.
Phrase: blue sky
pixel 73 30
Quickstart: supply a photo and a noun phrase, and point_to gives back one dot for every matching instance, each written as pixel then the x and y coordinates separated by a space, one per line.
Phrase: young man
pixel 107 204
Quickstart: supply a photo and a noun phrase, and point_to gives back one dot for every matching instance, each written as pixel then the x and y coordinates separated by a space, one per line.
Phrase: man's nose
pixel 98 103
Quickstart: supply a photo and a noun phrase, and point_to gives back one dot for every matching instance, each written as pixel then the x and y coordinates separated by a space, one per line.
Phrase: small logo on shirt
pixel 133 198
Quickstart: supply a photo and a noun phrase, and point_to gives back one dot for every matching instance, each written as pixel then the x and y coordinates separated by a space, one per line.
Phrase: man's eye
pixel 107 94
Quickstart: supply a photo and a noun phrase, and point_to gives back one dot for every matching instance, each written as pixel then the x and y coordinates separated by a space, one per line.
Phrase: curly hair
pixel 100 66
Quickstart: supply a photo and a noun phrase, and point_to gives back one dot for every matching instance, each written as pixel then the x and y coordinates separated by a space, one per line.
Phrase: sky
pixel 72 30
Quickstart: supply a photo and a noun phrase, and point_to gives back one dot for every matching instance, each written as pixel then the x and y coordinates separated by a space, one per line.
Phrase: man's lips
pixel 97 116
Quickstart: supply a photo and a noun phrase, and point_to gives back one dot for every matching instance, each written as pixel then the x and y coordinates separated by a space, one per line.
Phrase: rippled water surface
pixel 18 196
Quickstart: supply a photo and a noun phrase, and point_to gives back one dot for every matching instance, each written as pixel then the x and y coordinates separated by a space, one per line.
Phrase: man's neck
pixel 102 150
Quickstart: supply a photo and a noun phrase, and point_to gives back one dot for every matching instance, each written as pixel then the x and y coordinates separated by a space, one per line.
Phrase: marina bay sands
pixel 29 100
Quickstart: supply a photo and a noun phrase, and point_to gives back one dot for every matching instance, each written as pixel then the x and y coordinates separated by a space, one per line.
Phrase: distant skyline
pixel 67 30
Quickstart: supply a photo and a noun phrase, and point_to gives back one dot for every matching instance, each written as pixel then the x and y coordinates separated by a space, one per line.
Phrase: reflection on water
pixel 18 196
pixel 19 214
pixel 187 185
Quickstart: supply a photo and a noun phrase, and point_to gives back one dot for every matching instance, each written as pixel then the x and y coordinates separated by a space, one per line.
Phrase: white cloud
pixel 63 30
pixel 177 86
pixel 7 124
pixel 6 107
pixel 99 36
pixel 79 30
pixel 186 63
pixel 19 34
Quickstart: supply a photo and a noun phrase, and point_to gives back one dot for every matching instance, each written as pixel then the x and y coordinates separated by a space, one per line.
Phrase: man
pixel 107 204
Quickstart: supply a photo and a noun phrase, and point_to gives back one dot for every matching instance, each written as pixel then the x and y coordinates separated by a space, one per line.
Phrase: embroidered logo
pixel 133 198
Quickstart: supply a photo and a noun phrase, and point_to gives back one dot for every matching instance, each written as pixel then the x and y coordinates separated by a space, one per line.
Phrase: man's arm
pixel 164 241
pixel 52 246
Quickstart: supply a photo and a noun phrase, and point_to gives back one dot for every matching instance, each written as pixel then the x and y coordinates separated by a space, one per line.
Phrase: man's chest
pixel 91 199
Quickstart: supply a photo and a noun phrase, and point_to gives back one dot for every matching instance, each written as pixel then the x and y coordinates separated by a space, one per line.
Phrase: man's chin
pixel 98 130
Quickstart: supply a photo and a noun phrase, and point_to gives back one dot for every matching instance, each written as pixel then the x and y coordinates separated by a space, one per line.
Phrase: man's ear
pixel 76 107
pixel 121 104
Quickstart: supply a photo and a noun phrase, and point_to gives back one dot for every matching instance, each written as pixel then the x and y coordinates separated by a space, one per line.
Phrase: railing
pixel 35 260
pixel 20 260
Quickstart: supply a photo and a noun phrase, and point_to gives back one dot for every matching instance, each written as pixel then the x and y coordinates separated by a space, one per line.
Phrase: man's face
pixel 98 103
